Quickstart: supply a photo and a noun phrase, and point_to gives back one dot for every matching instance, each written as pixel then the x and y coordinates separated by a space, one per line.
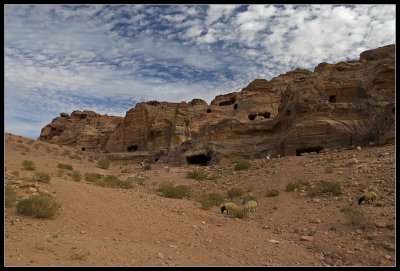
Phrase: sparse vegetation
pixel 168 190
pixel 241 164
pixel 39 206
pixel 10 196
pixel 28 165
pixel 90 159
pixel 92 177
pixel 292 186
pixel 210 200
pixel 147 167
pixel 65 166
pixel 238 213
pixel 249 197
pixel 325 187
pixel 66 152
pixel 60 172
pixel 76 176
pixel 15 173
pixel 42 177
pixel 79 255
pixel 272 193
pixel 198 174
pixel 235 192
pixel 103 163
pixel 355 216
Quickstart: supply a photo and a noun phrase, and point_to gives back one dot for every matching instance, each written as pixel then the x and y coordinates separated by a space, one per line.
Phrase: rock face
pixel 86 130
pixel 336 106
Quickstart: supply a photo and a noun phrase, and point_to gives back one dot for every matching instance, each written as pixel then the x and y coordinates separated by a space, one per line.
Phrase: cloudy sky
pixel 106 58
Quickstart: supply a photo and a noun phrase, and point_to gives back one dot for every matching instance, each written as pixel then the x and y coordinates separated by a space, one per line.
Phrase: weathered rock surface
pixel 86 130
pixel 336 106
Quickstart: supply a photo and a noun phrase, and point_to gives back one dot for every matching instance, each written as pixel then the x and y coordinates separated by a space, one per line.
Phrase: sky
pixel 106 58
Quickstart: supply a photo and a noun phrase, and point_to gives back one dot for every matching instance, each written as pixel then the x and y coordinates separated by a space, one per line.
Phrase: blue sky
pixel 106 58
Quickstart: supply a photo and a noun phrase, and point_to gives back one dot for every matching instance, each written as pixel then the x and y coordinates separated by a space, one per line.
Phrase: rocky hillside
pixel 335 106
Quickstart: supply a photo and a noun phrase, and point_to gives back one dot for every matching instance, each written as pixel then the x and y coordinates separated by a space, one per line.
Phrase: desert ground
pixel 102 226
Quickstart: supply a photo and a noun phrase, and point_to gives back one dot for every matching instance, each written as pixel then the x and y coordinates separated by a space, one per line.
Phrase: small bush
pixel 198 174
pixel 355 216
pixel 65 166
pixel 238 213
pixel 28 165
pixel 90 159
pixel 30 142
pixel 10 196
pixel 92 177
pixel 168 190
pixel 103 163
pixel 112 181
pixel 37 146
pixel 241 164
pixel 272 193
pixel 42 177
pixel 76 176
pixel 210 200
pixel 147 167
pixel 325 187
pixel 40 206
pixel 235 192
pixel 15 173
pixel 292 186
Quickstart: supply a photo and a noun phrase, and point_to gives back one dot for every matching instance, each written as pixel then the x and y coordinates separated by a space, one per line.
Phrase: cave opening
pixel 83 148
pixel 201 159
pixel 208 110
pixel 332 99
pixel 132 147
pixel 235 106
pixel 252 116
pixel 266 115
pixel 317 149
pixel 156 159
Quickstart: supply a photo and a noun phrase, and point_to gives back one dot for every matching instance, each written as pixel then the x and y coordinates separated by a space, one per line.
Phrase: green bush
pixel 325 187
pixel 65 166
pixel 90 159
pixel 103 163
pixel 15 173
pixel 76 176
pixel 272 193
pixel 92 177
pixel 235 192
pixel 60 172
pixel 198 174
pixel 292 186
pixel 66 152
pixel 241 164
pixel 238 213
pixel 147 167
pixel 210 200
pixel 168 190
pixel 112 181
pixel 28 165
pixel 40 206
pixel 42 177
pixel 355 216
pixel 10 196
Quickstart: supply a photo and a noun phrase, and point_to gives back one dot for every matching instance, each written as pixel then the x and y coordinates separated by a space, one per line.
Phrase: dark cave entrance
pixel 132 147
pixel 208 110
pixel 299 151
pixel 252 117
pixel 266 115
pixel 235 106
pixel 201 159
pixel 83 149
pixel 332 99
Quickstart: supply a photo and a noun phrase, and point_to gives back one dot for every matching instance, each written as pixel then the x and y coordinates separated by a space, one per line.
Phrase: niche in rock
pixel 132 147
pixel 201 159
pixel 317 149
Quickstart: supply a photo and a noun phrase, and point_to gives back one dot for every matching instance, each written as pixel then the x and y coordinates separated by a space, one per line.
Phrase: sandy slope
pixel 100 226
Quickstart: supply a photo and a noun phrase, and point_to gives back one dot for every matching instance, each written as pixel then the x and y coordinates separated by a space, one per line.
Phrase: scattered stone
pixel 173 246
pixel 274 241
pixel 159 255
pixel 358 148
pixel 203 222
pixel 306 238
pixel 31 190
pixel 380 224
pixel 388 257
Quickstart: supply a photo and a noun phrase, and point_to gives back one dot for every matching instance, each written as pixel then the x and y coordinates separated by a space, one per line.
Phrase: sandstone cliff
pixel 334 106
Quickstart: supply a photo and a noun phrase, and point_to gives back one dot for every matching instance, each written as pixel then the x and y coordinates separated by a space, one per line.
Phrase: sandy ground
pixel 99 226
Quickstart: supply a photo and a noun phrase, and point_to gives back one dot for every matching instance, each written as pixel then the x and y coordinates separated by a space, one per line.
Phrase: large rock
pixel 336 106
pixel 86 130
